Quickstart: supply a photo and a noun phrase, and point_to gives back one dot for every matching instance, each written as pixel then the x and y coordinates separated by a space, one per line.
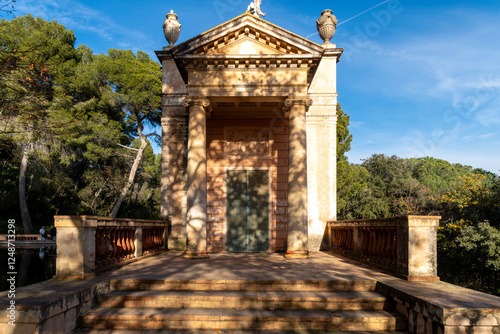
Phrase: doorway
pixel 247 211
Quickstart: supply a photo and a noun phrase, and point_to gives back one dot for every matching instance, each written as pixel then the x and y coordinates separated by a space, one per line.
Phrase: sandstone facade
pixel 248 96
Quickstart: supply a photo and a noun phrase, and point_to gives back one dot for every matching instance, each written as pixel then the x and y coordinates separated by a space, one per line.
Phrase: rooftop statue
pixel 254 8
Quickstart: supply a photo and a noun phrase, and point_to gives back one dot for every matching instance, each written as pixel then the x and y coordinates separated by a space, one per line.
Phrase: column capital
pixel 305 101
pixel 196 101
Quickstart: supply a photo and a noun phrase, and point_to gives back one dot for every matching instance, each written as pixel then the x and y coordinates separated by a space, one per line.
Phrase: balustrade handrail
pixel 406 245
pixel 402 221
pixel 93 221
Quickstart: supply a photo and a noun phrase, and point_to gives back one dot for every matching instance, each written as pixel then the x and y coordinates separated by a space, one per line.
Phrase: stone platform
pixel 427 307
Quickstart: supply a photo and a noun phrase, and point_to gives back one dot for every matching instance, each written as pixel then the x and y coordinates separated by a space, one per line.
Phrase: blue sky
pixel 417 77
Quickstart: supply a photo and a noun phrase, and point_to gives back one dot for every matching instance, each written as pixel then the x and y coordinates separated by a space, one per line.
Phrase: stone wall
pixel 442 308
pixel 221 156
pixel 59 315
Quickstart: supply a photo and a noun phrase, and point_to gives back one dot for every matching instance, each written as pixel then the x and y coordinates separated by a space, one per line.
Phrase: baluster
pixel 156 238
pixel 123 236
pixel 119 244
pixel 383 246
pixel 387 240
pixel 131 238
pixel 161 230
pixel 363 243
pixel 339 245
pixel 144 240
pixel 347 240
pixel 394 240
pixel 151 231
pixel 368 243
pixel 378 246
pixel 373 244
pixel 116 236
pixel 104 250
pixel 351 240
pixel 344 240
pixel 109 246
pixel 388 248
pixel 124 243
pixel 337 239
pixel 98 248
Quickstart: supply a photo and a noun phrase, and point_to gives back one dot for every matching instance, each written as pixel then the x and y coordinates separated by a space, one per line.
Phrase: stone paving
pixel 425 304
pixel 246 266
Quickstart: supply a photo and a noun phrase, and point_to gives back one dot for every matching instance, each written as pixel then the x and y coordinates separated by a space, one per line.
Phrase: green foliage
pixel 385 186
pixel 65 104
pixel 344 137
pixel 469 255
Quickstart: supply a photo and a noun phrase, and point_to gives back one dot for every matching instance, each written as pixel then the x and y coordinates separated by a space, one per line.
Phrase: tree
pixel 58 110
pixel 344 137
pixel 35 56
pixel 136 82
pixel 469 197
pixel 7 6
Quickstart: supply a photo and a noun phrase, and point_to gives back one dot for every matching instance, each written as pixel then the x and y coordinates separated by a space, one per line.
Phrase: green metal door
pixel 247 216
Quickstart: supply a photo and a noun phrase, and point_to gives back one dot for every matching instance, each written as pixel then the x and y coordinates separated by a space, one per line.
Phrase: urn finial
pixel 327 24
pixel 171 29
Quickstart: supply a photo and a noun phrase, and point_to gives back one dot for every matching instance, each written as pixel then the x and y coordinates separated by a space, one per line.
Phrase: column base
pixel 195 255
pixel 177 243
pixel 297 254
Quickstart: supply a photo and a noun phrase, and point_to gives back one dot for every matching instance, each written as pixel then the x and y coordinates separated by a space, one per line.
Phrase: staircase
pixel 241 307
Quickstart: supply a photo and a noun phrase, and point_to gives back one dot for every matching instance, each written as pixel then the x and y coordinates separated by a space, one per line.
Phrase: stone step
pixel 290 300
pixel 237 319
pixel 219 331
pixel 235 285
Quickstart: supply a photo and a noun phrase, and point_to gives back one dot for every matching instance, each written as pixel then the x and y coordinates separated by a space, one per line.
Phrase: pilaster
pixel 174 124
pixel 322 147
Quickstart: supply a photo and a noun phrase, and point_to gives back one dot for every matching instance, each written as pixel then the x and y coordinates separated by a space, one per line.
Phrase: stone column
pixel 196 215
pixel 297 242
pixel 174 124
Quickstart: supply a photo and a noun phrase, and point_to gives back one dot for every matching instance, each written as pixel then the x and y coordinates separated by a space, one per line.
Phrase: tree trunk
pixel 23 205
pixel 133 171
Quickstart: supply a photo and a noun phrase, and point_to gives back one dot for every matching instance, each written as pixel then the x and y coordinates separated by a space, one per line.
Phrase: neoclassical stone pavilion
pixel 249 137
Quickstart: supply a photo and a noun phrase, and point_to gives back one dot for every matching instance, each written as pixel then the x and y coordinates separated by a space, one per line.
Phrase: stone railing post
pixel 76 245
pixel 407 245
pixel 417 247
pixel 138 242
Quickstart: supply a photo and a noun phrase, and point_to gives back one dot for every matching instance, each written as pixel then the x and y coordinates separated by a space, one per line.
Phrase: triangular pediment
pixel 247 34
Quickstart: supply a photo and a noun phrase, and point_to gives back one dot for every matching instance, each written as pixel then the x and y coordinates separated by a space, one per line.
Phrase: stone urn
pixel 326 24
pixel 171 29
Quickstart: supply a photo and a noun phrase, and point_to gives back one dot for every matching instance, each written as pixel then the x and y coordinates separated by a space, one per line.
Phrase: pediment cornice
pixel 267 38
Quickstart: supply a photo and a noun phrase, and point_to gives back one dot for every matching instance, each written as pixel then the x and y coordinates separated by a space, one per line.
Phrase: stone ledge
pixel 52 310
pixel 448 307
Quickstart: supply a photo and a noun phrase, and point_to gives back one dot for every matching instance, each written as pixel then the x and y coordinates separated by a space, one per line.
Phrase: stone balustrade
pixel 86 244
pixel 407 246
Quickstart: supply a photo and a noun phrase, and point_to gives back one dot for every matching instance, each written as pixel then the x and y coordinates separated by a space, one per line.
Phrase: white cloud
pixel 79 17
